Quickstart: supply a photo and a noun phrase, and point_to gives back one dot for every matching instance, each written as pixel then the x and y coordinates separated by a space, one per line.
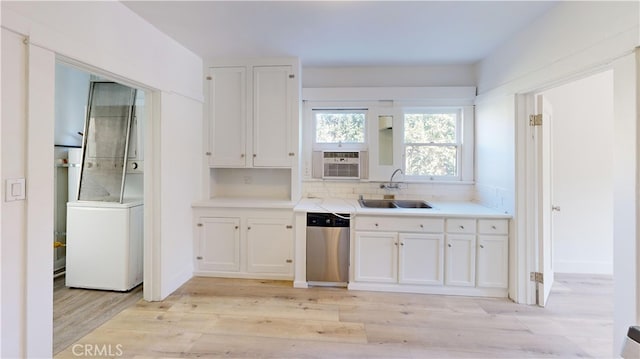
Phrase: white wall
pixel 582 174
pixel 495 152
pixel 112 41
pixel 401 76
pixel 572 39
pixel 13 131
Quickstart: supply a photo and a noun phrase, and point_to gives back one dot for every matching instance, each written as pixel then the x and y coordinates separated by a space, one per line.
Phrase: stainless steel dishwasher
pixel 328 249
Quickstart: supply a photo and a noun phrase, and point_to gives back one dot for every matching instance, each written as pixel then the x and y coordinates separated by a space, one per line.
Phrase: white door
pixel 421 258
pixel 272 108
pixel 227 116
pixel 269 245
pixel 219 244
pixel 460 259
pixel 376 257
pixel 543 202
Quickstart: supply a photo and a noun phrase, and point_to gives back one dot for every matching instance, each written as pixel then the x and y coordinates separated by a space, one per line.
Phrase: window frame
pixel 461 145
pixel 327 146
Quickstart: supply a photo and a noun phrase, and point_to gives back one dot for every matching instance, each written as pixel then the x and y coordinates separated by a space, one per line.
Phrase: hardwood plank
pixel 214 317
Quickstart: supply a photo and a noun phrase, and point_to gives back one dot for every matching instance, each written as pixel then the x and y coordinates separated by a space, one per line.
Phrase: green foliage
pixel 430 144
pixel 340 127
pixel 430 128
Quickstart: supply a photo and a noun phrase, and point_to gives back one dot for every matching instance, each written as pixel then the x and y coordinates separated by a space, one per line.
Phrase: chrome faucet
pixel 391 184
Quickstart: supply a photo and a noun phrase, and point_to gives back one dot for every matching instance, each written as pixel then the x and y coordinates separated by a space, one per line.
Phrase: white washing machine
pixel 104 245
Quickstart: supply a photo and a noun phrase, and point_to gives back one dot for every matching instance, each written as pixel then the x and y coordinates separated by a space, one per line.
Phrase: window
pixel 433 143
pixel 339 128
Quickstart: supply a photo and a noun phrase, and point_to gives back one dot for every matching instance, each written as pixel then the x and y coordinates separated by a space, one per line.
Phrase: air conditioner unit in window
pixel 340 164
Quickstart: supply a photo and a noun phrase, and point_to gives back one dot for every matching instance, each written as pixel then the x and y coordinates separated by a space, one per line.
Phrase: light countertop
pixel 440 209
pixel 351 206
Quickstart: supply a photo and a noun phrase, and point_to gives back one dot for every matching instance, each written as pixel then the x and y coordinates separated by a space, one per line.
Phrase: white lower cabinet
pixel 461 260
pixel 466 256
pixel 269 247
pixel 376 257
pixel 218 244
pixel 493 253
pixel 421 258
pixel 493 263
pixel 244 244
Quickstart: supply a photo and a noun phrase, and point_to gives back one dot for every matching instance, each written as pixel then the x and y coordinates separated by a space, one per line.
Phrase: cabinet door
pixel 460 259
pixel 272 108
pixel 227 116
pixel 376 257
pixel 269 245
pixel 219 244
pixel 493 261
pixel 421 258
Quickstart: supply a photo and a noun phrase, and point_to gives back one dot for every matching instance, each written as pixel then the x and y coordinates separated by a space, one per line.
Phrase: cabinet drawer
pixel 400 224
pixel 493 226
pixel 455 225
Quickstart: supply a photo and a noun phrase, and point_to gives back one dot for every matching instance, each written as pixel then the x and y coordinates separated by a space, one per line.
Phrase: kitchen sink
pixel 377 203
pixel 393 203
pixel 410 203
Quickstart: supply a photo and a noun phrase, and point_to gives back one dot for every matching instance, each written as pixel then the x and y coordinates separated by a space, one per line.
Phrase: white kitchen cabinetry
pixel 466 256
pixel 253 114
pixel 460 252
pixel 269 245
pixel 493 255
pixel 413 256
pixel 461 260
pixel 218 244
pixel 227 116
pixel 376 257
pixel 421 258
pixel 244 243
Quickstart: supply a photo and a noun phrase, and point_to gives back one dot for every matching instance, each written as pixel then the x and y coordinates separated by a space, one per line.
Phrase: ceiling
pixel 343 33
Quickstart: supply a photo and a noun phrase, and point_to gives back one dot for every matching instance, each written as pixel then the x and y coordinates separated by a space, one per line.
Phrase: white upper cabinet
pixel 253 114
pixel 227 116
pixel 272 90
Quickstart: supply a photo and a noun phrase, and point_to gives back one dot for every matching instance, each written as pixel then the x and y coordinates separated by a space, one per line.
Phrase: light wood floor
pixel 211 317
pixel 77 312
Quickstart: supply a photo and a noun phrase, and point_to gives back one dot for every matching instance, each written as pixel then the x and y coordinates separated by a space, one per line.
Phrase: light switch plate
pixel 15 189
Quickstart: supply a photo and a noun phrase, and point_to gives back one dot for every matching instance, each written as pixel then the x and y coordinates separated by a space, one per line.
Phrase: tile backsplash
pixel 353 189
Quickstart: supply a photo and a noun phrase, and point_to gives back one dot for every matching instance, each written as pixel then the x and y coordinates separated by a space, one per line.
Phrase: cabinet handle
pixel 248 228
pixel 493 227
pixel 254 155
pixel 208 153
pixel 376 224
pixel 421 226
pixel 289 226
pixel 461 227
pixel 199 257
pixel 449 245
pixel 289 261
pixel 236 227
pixel 291 154
pixel 402 243
pixel 481 246
pixel 395 243
pixel 199 224
pixel 242 155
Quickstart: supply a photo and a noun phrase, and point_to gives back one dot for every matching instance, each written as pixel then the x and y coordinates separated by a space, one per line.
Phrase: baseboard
pixel 583 267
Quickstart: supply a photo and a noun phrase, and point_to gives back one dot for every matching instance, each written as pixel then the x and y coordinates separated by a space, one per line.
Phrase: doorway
pixel 80 308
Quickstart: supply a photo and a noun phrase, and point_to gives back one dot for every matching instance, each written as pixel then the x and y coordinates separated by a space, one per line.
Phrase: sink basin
pixel 393 203
pixel 409 203
pixel 377 203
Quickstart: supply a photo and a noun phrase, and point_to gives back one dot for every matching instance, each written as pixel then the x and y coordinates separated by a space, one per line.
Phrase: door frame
pixel 528 223
pixel 626 74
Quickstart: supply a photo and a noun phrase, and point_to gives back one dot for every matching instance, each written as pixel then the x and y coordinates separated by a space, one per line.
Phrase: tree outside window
pixel 432 143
